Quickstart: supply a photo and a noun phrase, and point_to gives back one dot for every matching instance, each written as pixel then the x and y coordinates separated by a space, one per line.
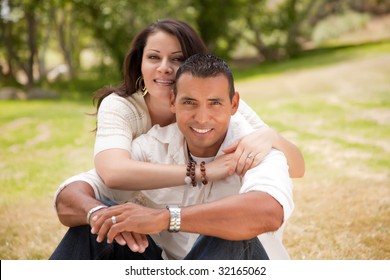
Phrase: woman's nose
pixel 165 67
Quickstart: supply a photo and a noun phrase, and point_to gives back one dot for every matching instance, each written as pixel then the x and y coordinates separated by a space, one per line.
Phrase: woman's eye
pixel 179 59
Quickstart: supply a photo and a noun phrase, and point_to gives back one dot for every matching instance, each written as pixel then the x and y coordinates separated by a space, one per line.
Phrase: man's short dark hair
pixel 206 66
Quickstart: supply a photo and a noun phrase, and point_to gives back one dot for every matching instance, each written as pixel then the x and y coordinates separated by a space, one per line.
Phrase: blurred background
pixel 48 41
pixel 316 70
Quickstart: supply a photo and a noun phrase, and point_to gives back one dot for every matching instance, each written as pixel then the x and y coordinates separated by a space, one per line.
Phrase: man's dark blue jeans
pixel 80 244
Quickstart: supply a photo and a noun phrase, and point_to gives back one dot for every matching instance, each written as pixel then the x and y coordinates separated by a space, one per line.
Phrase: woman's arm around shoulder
pixel 252 148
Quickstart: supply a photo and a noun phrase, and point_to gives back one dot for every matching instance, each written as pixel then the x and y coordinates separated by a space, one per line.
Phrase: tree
pixel 19 33
pixel 213 20
pixel 26 30
pixel 113 24
pixel 275 28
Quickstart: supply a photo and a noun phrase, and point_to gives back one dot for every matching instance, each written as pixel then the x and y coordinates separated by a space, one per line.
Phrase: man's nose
pixel 202 114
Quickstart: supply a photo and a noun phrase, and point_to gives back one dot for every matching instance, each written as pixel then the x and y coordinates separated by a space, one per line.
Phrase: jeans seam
pixel 244 250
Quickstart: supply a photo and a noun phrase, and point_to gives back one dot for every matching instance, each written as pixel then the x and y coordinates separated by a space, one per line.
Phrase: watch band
pixel 174 219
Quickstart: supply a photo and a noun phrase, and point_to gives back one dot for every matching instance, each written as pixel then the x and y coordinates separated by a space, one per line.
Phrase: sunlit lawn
pixel 338 112
pixel 339 115
pixel 42 143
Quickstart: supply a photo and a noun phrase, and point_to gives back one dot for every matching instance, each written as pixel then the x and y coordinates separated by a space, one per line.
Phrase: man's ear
pixel 235 102
pixel 172 100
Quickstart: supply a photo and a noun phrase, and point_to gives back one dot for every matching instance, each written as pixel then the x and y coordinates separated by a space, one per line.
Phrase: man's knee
pixel 210 247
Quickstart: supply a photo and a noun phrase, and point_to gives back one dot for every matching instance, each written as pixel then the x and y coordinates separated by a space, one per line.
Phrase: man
pixel 234 218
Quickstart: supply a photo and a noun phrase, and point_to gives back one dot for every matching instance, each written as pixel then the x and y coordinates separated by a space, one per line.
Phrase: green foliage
pixel 275 28
pixel 81 89
pixel 32 30
pixel 337 25
pixel 213 19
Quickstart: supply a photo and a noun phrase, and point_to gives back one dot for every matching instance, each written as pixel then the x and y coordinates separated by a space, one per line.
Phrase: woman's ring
pixel 113 219
pixel 250 156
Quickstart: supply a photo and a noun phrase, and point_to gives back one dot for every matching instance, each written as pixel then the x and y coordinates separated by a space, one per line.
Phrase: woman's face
pixel 161 58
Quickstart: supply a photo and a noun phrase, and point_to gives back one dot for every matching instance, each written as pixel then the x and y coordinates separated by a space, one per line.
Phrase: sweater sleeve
pixel 250 116
pixel 119 121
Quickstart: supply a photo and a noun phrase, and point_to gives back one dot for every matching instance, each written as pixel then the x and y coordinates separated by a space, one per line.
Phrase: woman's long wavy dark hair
pixel 190 43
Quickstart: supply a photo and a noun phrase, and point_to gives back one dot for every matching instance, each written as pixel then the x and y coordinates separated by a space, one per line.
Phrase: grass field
pixel 335 105
pixel 340 117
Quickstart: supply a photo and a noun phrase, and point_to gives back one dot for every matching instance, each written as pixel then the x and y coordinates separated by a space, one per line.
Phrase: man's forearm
pixel 237 217
pixel 74 202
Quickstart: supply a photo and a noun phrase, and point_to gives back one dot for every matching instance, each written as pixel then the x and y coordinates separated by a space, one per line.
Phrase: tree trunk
pixel 32 46
pixel 12 56
pixel 64 45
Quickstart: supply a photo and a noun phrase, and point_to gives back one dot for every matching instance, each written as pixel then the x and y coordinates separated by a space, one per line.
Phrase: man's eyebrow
pixel 184 98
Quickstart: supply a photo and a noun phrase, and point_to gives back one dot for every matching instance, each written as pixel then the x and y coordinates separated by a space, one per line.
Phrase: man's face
pixel 203 110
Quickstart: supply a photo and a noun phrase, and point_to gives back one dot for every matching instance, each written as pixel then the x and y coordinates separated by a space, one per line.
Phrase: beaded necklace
pixel 190 173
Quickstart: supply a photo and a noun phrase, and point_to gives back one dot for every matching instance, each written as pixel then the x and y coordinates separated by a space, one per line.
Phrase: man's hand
pixel 131 218
pixel 135 241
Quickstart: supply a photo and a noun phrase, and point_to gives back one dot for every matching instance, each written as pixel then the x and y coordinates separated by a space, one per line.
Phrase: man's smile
pixel 201 130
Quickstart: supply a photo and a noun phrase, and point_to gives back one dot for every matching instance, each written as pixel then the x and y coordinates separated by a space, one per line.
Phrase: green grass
pixel 333 103
pixel 315 58
pixel 37 142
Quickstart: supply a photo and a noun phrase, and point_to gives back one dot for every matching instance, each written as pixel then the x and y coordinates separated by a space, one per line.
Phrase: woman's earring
pixel 140 85
pixel 144 91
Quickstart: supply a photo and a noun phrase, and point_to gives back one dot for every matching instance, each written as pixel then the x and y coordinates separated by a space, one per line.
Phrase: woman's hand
pixel 220 168
pixel 250 150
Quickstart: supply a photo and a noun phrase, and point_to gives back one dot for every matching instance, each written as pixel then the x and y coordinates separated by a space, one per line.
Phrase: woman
pixel 142 100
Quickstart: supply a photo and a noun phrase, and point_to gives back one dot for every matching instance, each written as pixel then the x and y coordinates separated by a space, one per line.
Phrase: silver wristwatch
pixel 174 219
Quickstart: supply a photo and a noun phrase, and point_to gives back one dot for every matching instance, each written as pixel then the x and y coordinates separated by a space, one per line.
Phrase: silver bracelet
pixel 174 219
pixel 93 210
